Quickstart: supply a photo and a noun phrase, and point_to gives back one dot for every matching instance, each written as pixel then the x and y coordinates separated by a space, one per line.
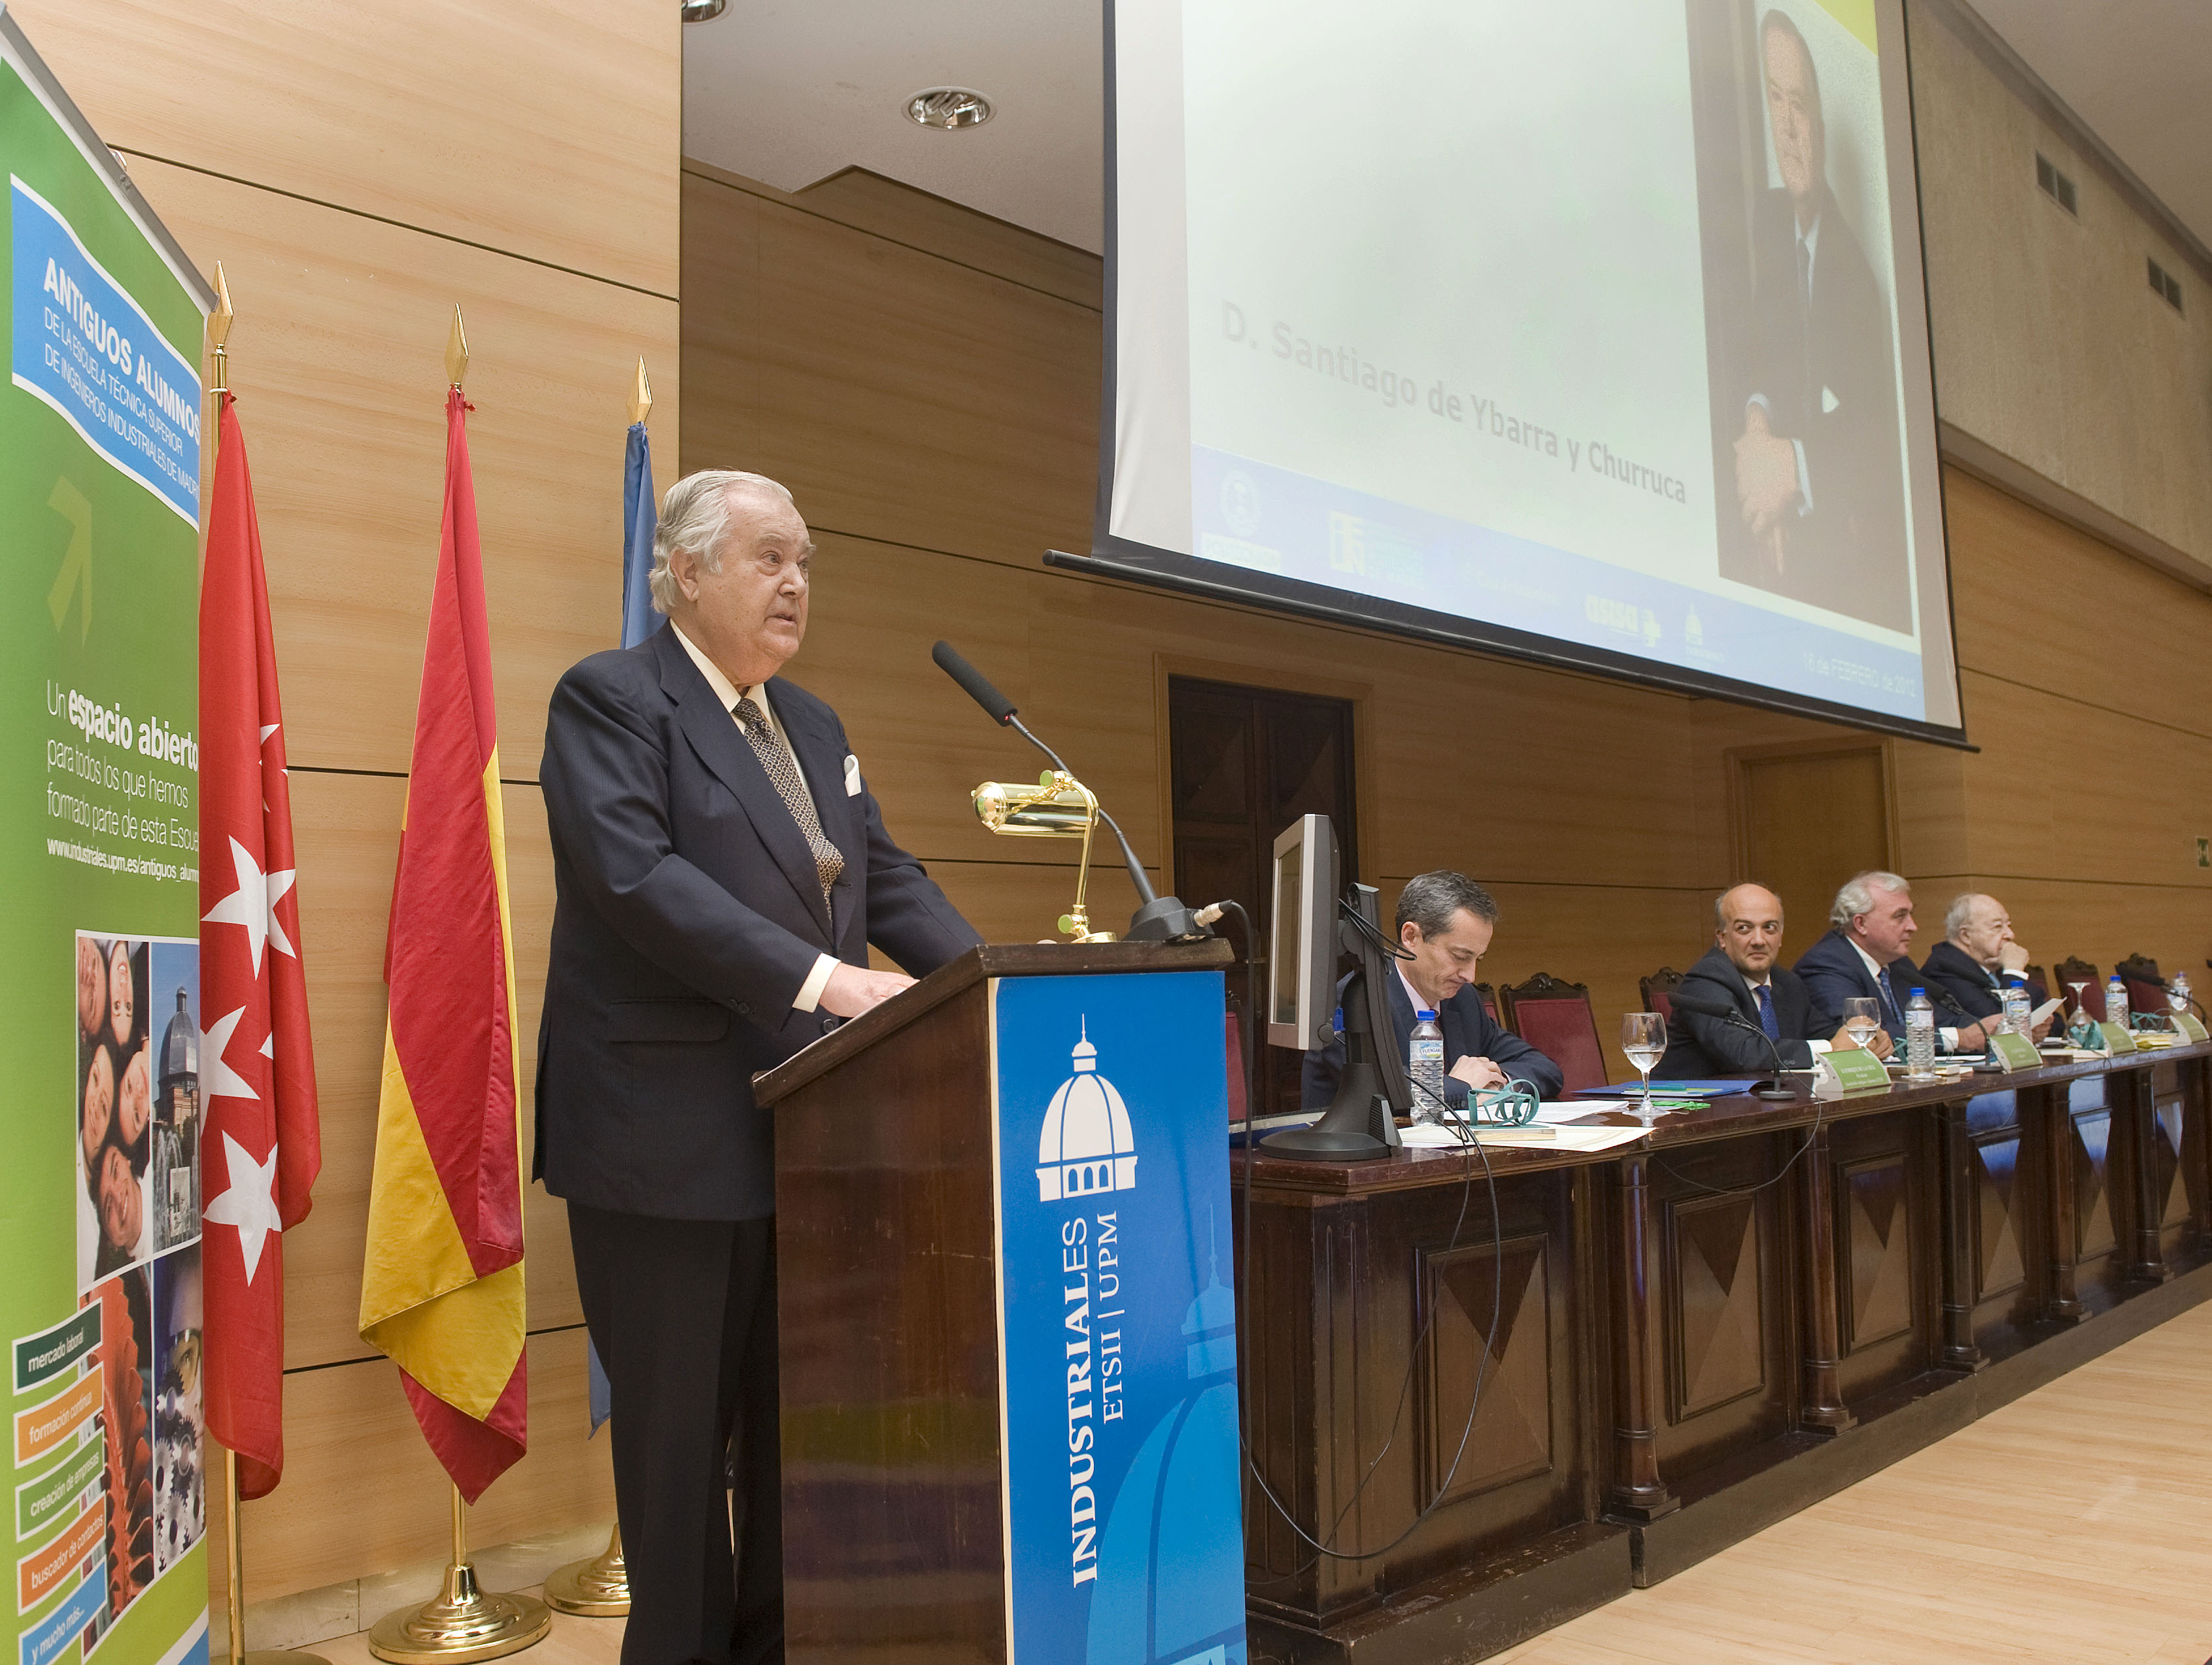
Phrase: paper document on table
pixel 1555 1112
pixel 1584 1139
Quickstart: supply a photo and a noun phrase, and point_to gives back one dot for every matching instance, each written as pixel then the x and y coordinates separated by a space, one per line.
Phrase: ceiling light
pixel 703 11
pixel 949 107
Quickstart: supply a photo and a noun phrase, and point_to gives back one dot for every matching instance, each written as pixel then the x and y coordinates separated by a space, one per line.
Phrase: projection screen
pixel 1593 332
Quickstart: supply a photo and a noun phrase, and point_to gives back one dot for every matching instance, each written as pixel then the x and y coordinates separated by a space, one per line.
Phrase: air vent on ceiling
pixel 2056 186
pixel 2164 285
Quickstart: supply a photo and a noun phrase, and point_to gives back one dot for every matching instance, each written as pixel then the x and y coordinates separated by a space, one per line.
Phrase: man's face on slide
pixel 1793 107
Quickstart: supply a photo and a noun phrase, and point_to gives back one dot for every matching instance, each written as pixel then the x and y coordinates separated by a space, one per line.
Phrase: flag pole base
pixel 283 1656
pixel 462 1623
pixel 598 1589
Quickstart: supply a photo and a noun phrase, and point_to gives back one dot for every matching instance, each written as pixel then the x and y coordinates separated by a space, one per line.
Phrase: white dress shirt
pixel 810 992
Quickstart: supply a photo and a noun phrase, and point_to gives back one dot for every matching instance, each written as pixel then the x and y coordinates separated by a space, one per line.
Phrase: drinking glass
pixel 1643 1038
pixel 1861 1017
pixel 2080 1019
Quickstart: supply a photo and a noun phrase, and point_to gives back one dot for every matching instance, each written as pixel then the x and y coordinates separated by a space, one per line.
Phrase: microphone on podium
pixel 1157 918
pixel 1706 1006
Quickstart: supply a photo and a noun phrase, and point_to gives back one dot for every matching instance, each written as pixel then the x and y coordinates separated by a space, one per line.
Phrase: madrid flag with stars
pixel 260 1145
pixel 441 1289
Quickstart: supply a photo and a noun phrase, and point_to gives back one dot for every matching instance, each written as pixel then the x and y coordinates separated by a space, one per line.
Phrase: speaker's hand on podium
pixel 852 989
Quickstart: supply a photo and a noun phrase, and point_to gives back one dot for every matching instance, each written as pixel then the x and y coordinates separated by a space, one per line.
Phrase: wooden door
pixel 1248 762
pixel 1807 817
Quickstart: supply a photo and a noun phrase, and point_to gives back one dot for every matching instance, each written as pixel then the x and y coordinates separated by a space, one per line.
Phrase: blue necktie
pixel 1889 1000
pixel 1766 1017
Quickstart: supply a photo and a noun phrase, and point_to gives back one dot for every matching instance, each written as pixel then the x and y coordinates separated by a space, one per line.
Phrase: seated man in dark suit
pixel 1978 957
pixel 1444 922
pixel 1743 969
pixel 1870 927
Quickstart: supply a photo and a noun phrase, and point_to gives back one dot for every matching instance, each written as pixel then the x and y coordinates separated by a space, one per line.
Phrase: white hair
pixel 694 516
pixel 1961 914
pixel 1857 897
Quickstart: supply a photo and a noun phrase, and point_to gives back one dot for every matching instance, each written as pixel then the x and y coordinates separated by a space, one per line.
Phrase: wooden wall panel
pixel 347 830
pixel 337 358
pixel 900 395
pixel 548 134
pixel 363 1494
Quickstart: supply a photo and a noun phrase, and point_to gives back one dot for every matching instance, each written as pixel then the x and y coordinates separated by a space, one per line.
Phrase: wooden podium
pixel 894 1211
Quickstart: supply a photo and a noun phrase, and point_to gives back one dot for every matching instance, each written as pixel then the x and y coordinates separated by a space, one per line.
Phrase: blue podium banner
pixel 1125 1539
pixel 81 344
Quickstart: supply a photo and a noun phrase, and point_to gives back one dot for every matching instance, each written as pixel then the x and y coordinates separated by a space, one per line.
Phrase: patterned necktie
pixel 775 758
pixel 1767 1020
pixel 1889 1000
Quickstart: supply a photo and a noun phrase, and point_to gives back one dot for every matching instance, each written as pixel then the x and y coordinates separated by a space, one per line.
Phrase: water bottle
pixel 1424 1065
pixel 2018 1013
pixel 2115 1001
pixel 1919 1037
pixel 2180 1000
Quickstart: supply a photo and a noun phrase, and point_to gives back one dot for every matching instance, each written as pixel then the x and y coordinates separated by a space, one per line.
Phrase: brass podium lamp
pixel 1058 806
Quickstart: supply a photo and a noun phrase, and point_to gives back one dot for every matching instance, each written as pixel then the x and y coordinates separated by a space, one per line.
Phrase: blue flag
pixel 641 516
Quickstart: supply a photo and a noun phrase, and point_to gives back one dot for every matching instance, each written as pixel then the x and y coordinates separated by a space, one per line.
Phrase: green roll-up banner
pixel 100 1018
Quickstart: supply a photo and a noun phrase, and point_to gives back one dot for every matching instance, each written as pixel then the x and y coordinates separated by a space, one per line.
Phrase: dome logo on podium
pixel 1086 1148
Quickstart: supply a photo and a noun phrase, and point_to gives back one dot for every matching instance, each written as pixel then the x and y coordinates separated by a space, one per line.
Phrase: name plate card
pixel 2015 1052
pixel 2118 1040
pixel 2192 1027
pixel 1856 1070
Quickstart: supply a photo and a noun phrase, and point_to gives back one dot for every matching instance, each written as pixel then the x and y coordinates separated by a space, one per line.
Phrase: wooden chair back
pixel 1555 1018
pixel 2073 970
pixel 1658 992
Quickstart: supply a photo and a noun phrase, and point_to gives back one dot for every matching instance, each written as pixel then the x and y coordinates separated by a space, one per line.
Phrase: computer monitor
pixel 1302 939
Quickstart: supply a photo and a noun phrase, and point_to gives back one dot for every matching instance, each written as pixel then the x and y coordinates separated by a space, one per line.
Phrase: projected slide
pixel 1592 330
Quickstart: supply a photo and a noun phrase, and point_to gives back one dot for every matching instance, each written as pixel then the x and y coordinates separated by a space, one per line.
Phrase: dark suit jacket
pixel 1969 983
pixel 1829 380
pixel 687 914
pixel 1834 973
pixel 1469 1032
pixel 1699 1047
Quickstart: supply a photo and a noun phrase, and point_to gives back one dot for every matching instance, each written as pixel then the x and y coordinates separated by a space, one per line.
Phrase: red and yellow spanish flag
pixel 441 1291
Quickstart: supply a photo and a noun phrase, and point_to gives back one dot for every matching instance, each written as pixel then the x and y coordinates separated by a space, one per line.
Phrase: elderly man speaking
pixel 720 870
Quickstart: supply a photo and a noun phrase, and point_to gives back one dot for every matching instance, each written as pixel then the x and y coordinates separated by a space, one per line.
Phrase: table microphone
pixel 1157 918
pixel 1706 1006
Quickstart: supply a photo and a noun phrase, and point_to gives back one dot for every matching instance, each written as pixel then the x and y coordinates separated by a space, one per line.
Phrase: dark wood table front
pixel 1694 1334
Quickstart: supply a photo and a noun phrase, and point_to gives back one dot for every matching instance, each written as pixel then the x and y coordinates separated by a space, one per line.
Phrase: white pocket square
pixel 1828 401
pixel 852 776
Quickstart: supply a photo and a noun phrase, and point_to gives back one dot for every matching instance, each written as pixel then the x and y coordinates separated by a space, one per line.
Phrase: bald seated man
pixel 1979 957
pixel 1744 968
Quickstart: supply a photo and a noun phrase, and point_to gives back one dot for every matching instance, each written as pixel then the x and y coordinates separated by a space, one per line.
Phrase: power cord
pixel 1321 1550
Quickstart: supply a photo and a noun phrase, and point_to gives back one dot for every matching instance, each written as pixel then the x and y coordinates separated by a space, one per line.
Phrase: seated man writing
pixel 1444 922
pixel 1743 969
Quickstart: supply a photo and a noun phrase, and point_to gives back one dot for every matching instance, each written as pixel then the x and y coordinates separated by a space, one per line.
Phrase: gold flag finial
pixel 218 332
pixel 457 349
pixel 641 399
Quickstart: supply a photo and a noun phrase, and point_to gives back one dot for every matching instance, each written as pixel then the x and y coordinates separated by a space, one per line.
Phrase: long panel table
pixel 1679 1340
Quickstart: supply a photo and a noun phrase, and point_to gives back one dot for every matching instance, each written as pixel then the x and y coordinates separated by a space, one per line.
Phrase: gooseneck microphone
pixel 1157 918
pixel 1706 1006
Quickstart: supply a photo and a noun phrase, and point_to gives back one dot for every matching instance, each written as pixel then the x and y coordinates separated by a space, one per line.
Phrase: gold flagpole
pixel 600 1588
pixel 238 1656
pixel 462 1623
pixel 218 335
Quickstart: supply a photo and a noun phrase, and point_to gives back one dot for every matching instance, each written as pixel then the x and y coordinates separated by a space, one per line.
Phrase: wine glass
pixel 2080 1016
pixel 1861 1017
pixel 1643 1038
